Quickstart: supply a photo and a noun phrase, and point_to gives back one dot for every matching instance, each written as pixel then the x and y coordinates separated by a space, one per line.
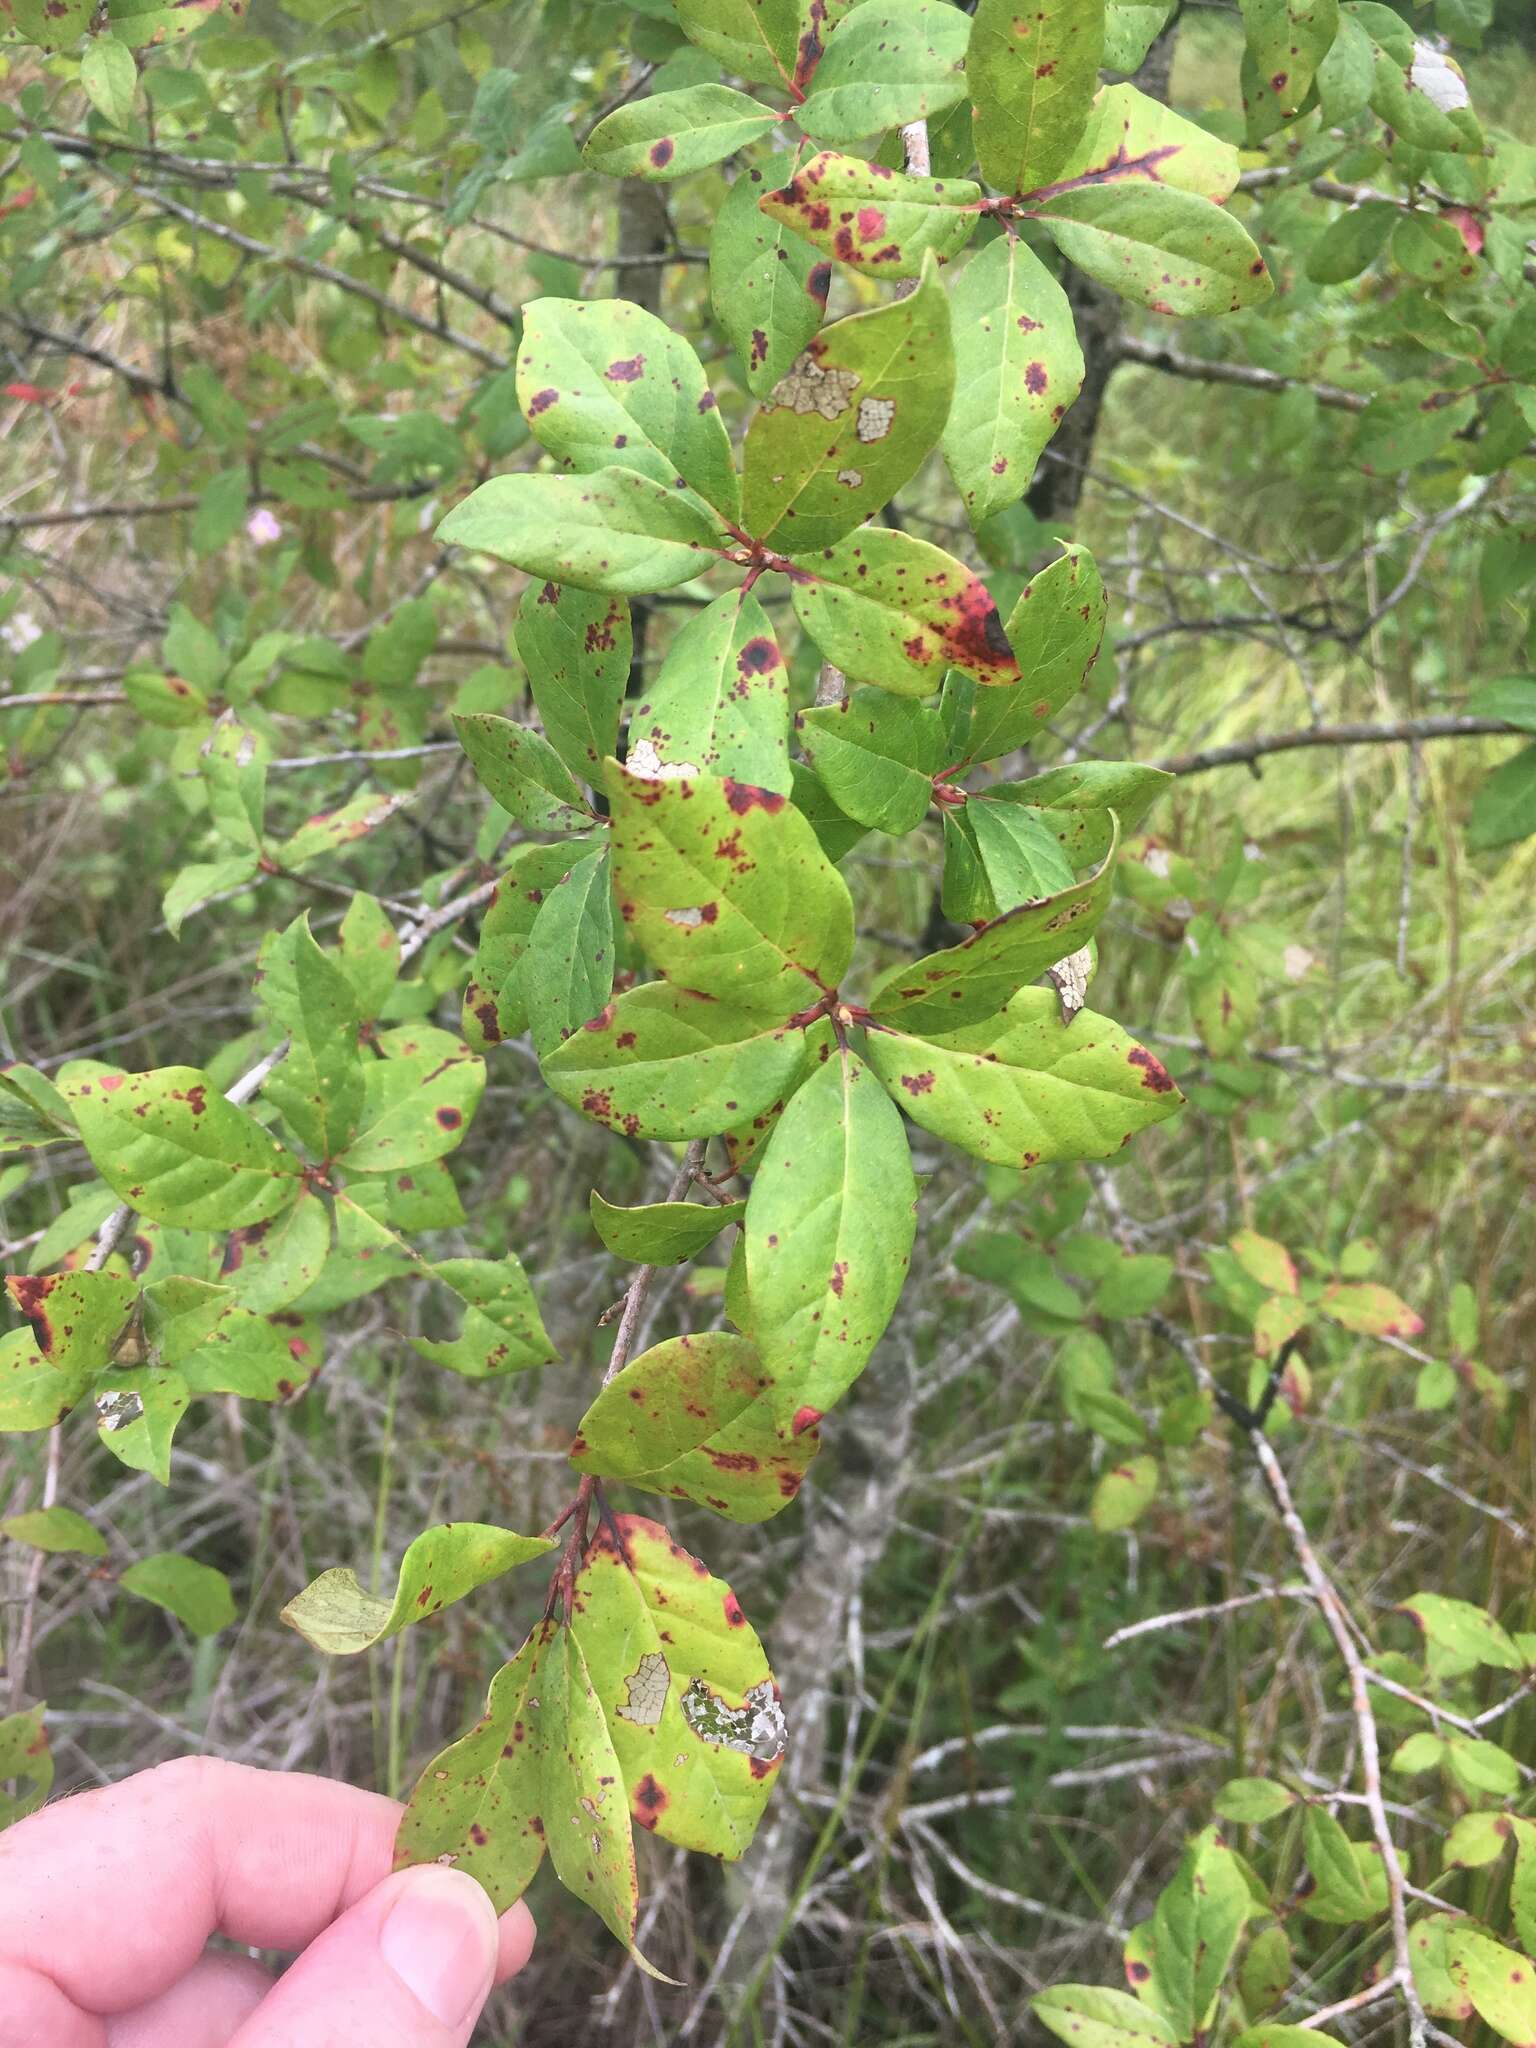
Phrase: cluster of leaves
pixel 675 937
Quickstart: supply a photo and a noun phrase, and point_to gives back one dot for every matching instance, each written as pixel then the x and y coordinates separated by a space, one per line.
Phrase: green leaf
pixel 663 1062
pixel 720 703
pixel 494 1006
pixel 662 1233
pixel 33 1112
pixel 873 218
pixel 55 1529
pixel 1252 1801
pixel 1512 698
pixel 1124 1494
pixel 1522 1883
pixel 886 63
pixel 605 381
pixel 1272 2036
pixel 615 531
pixel 876 756
pixel 138 22
pixel 1018 367
pixel 417 1100
pixel 829 1229
pixel 1092 2016
pixel 1350 244
pixel 1167 250
pixel 195 1593
pixel 110 78
pixel 52 24
pixel 137 1413
pixel 170 1144
pixel 853 418
pixel 368 954
pixel 1369 1309
pixel 766 284
pixel 1032 77
pixel 726 891
pixel 673 133
pixel 194 886
pixel 996 857
pixel 1133 1286
pixel 502 1330
pixel 1264 1975
pixel 1332 1860
pixel 523 772
pixel 1055 630
pixel 698 1418
pixel 78 1320
pixel 752 38
pixel 1421 1752
pixel 1022 1087
pixel 565 974
pixel 890 609
pixel 1409 424
pixel 1462 1636
pixel 442 1565
pixel 1499 1981
pixel 318 1087
pixel 973 981
pixel 1480 1768
pixel 1195 1930
pixel 1504 806
pixel 576 646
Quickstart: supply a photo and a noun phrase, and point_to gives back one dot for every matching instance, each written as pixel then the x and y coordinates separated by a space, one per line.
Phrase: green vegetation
pixel 768 832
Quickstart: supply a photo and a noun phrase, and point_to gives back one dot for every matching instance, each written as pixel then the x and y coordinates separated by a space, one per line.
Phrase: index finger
pixel 112 1895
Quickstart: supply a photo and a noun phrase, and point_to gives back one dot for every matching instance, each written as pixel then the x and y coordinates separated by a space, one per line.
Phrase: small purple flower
pixel 264 527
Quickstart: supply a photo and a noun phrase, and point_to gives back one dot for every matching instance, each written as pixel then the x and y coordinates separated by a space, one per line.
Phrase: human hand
pixel 107 1900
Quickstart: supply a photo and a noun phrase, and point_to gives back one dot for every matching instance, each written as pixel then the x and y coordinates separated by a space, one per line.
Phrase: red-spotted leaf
pixel 1023 1087
pixel 327 832
pixel 1461 1636
pixel 724 888
pixel 576 647
pixel 1369 1309
pixel 523 772
pixel 1286 41
pixel 501 1329
pixel 852 419
pixel 661 1233
pixel 876 756
pixel 494 1004
pixel 681 1679
pixel 696 1418
pixel 768 287
pixel 1018 367
pixel 339 1616
pixel 267 1265
pixel 170 1144
pixel 1279 1319
pixel 890 609
pixel 136 1416
pixel 539 1769
pixel 673 133
pixel 1054 630
pixel 1079 803
pixel 829 1229
pixel 368 953
pixel 1500 1982
pixel 886 63
pixel 1096 2016
pixel 1032 74
pixel 78 1321
pixel 873 218
pixel 974 980
pixel 663 1062
pixel 996 857
pixel 1265 1261
pixel 604 381
pixel 417 1099
pixel 1170 251
pixel 33 1393
pixel 720 703
pixel 614 531
pixel 1196 1927
pixel 33 1113
pixel 25 1762
pixel 1133 139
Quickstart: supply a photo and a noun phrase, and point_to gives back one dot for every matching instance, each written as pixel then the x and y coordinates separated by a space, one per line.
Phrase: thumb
pixel 409 1966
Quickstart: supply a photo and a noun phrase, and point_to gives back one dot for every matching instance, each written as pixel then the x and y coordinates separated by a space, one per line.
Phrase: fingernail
pixel 439 1938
